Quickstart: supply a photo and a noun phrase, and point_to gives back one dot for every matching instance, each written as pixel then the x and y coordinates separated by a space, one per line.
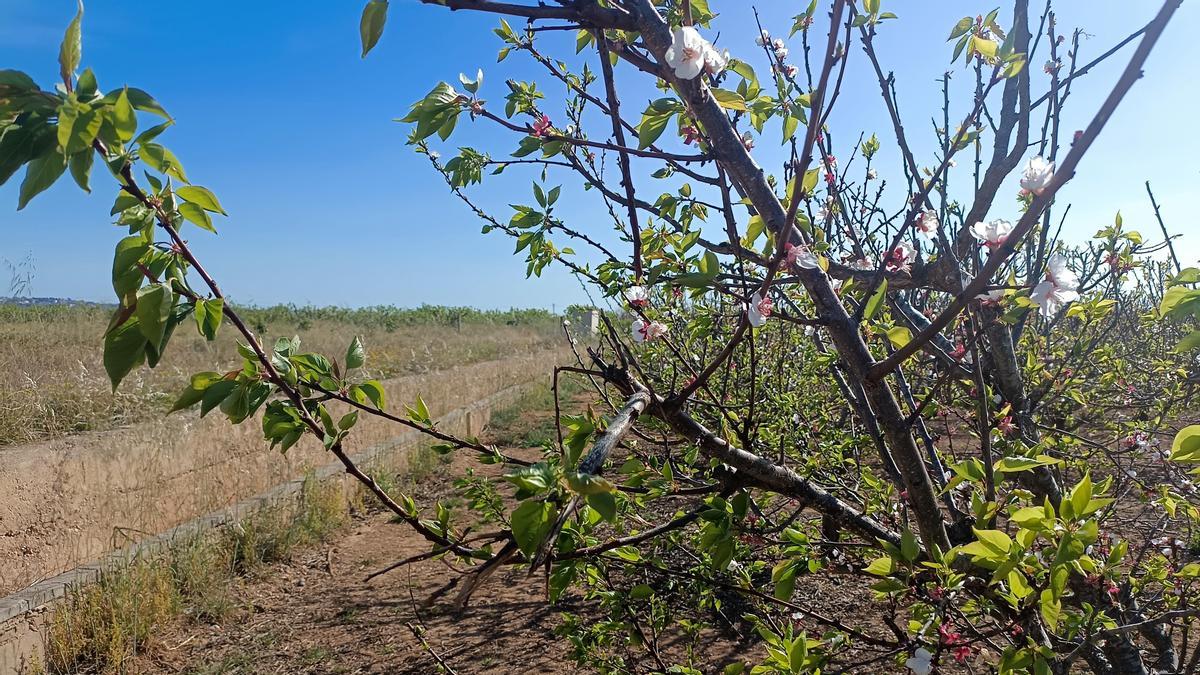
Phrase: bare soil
pixel 318 614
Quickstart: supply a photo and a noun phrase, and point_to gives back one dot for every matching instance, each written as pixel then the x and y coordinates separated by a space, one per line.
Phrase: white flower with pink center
pixel 1059 288
pixel 927 224
pixel 759 309
pixel 637 296
pixel 994 233
pixel 801 256
pixel 690 54
pixel 1038 174
pixel 901 258
pixel 647 331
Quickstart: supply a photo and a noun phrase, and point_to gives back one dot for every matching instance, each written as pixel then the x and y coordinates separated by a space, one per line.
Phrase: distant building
pixel 584 321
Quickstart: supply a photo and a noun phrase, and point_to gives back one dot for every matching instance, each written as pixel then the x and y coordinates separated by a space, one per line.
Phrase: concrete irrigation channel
pixel 85 504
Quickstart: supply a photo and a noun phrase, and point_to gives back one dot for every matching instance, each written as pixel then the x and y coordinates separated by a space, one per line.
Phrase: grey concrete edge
pixel 48 591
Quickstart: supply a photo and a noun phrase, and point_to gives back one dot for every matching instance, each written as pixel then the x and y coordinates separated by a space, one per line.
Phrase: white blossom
pixel 759 309
pixel 714 61
pixel 802 257
pixel 901 258
pixel 993 233
pixel 637 296
pixel 1057 289
pixel 872 174
pixel 686 53
pixel 927 224
pixel 644 331
pixel 1038 174
pixel 823 212
pixel 994 295
pixel 689 54
pixel 921 662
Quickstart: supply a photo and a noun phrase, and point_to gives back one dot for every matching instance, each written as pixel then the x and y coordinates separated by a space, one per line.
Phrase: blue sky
pixel 278 115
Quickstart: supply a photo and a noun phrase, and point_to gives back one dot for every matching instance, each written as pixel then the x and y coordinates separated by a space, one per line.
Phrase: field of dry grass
pixel 165 612
pixel 52 382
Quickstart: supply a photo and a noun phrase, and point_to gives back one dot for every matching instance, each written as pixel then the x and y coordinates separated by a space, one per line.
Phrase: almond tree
pixel 809 372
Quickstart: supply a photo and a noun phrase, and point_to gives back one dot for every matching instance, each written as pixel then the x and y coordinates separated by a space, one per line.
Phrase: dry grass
pixel 100 628
pixel 103 628
pixel 52 382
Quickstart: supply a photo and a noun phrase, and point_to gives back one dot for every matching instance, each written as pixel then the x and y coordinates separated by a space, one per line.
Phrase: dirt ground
pixel 317 614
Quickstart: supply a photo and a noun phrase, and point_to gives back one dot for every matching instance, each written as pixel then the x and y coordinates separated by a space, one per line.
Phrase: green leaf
pixel 77 128
pixel 71 49
pixel 589 484
pixel 899 336
pixel 1186 446
pixel 1018 464
pixel 650 129
pixel 124 350
pixel 80 165
pixel 1030 518
pixel 994 540
pixel 145 102
pixel 15 79
pixel 202 197
pixel 41 174
pixel 960 29
pixel 208 315
pixel 531 523
pixel 356 354
pixel 195 391
pixel 783 575
pixel 881 567
pixel 153 308
pixel 810 181
pixel 1080 495
pixel 215 394
pixel 162 160
pixel 909 547
pixel 370 27
pixel 605 504
pixel 730 100
pixel 1189 343
pixel 1051 608
pixel 123 117
pixel 373 390
pixel 876 301
pixel 194 213
pixel 126 276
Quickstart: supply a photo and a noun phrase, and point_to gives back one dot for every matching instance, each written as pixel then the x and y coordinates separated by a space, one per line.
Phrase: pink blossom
pixel 801 256
pixel 637 296
pixel 759 309
pixel 927 224
pixel 1006 426
pixel 901 258
pixel 647 331
pixel 541 126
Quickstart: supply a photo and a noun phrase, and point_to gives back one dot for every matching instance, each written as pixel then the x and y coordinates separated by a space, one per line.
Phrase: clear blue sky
pixel 278 114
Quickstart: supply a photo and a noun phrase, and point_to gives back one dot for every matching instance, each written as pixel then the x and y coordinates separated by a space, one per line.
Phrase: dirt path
pixel 317 615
